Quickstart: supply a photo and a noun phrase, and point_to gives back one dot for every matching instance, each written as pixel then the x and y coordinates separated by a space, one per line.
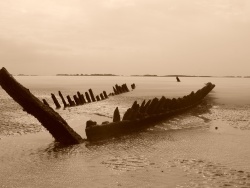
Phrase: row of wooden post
pixel 78 99
pixel 119 89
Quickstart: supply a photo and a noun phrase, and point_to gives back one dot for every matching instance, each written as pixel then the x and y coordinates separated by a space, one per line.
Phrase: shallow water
pixel 207 146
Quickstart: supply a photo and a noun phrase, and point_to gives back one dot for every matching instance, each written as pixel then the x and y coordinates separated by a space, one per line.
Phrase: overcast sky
pixel 194 37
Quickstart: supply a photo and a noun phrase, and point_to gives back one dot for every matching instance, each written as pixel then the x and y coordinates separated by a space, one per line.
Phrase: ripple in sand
pixel 209 174
pixel 127 163
pixel 236 117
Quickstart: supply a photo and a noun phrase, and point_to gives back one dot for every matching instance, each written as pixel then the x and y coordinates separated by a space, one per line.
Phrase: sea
pixel 207 146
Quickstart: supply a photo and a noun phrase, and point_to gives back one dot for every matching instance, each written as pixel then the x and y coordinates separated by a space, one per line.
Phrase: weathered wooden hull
pixel 114 129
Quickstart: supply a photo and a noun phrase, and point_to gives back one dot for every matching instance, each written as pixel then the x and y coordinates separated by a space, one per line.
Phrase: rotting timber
pixel 140 117
pixel 135 118
pixel 50 119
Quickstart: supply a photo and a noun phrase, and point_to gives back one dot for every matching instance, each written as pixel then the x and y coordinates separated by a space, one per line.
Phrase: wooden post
pixel 160 105
pixel 115 91
pixel 127 114
pixel 71 103
pixel 63 100
pixel 134 105
pixel 116 116
pixel 83 99
pixel 118 89
pixel 105 94
pixel 55 101
pixel 133 86
pixel 92 95
pixel 45 102
pixel 77 101
pixel 126 88
pixel 80 98
pixel 142 106
pixel 87 97
pixel 145 108
pixel 101 95
pixel 50 119
pixel 152 106
pixel 97 98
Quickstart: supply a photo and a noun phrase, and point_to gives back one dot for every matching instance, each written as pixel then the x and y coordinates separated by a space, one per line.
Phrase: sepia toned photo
pixel 125 93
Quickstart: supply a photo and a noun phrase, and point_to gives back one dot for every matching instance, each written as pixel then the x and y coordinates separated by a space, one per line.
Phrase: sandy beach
pixel 204 147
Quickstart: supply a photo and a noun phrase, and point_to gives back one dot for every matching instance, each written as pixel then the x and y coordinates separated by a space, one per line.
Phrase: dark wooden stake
pixel 92 95
pixel 80 98
pixel 55 101
pixel 87 97
pixel 116 116
pixel 77 101
pixel 97 98
pixel 45 102
pixel 63 100
pixel 101 95
pixel 83 99
pixel 105 94
pixel 115 91
pixel 71 103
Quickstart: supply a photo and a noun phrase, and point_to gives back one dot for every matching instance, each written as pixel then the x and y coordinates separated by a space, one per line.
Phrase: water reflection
pixel 56 149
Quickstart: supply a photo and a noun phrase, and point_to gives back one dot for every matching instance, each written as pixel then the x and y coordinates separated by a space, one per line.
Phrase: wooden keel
pixel 50 119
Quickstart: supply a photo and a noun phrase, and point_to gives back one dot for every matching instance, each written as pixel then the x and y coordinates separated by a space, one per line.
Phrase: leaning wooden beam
pixel 50 119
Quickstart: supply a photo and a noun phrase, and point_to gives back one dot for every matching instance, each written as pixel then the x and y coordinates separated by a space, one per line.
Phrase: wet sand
pixel 206 147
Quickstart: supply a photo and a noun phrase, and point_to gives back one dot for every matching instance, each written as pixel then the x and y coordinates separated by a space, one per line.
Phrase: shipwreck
pixel 142 116
pixel 136 118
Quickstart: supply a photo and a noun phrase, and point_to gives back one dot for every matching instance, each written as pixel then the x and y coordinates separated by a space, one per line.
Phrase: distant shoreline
pixel 146 75
pixel 86 75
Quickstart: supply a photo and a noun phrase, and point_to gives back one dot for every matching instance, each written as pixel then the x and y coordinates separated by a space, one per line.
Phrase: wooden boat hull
pixel 114 129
